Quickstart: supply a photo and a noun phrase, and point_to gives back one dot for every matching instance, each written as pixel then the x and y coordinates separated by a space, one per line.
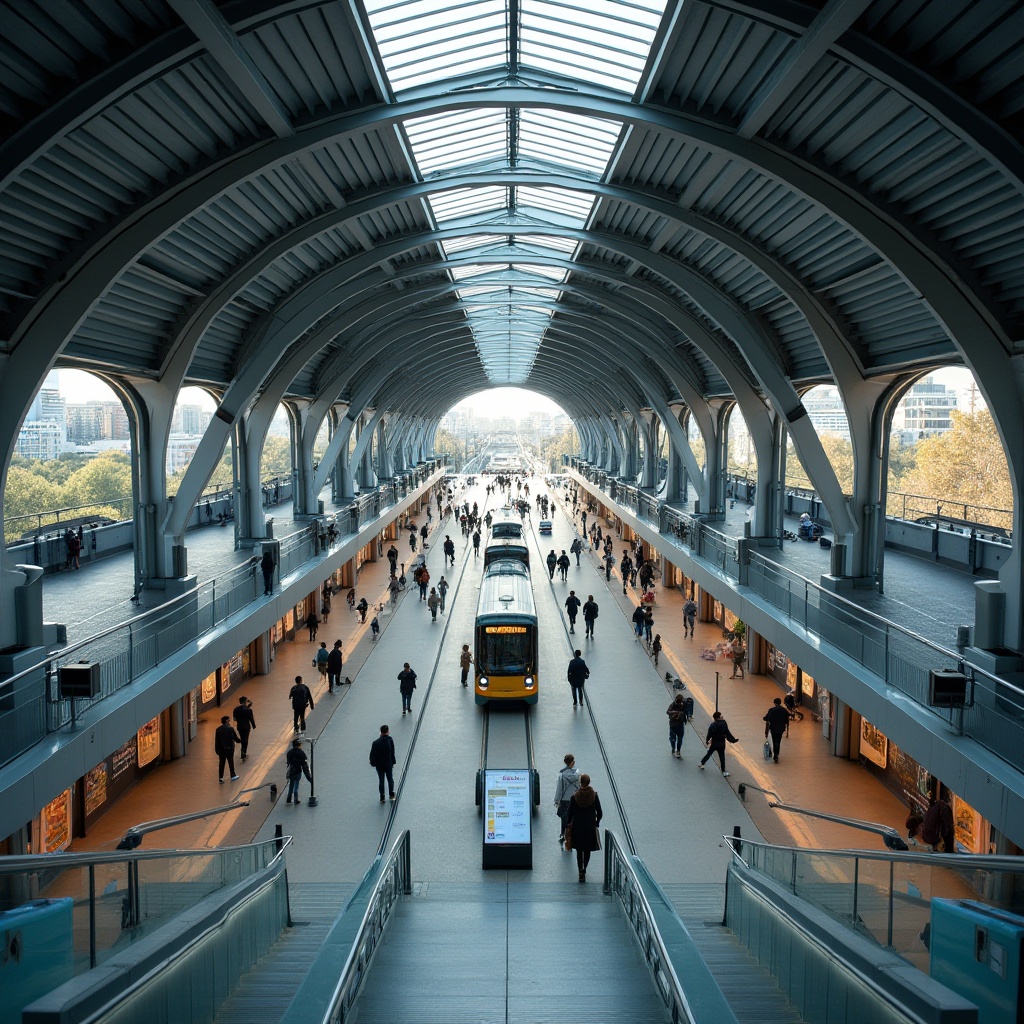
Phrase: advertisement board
pixel 508 841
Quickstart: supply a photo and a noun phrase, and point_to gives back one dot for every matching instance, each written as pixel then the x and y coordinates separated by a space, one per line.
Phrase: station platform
pixel 675 812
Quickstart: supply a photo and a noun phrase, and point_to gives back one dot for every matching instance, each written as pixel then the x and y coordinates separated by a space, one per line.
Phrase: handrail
pixel 387 878
pixel 626 877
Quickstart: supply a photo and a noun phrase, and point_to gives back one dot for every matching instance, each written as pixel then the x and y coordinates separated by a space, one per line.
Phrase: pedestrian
pixel 245 722
pixel 335 660
pixel 75 550
pixel 374 628
pixel 362 607
pixel 583 816
pixel 442 591
pixel 572 606
pixel 937 828
pixel 589 615
pixel 449 549
pixel 576 547
pixel 676 725
pixel 267 568
pixel 648 624
pixel 689 616
pixel 350 599
pixel 476 543
pixel 382 758
pixel 393 559
pixel 424 579
pixel 738 653
pixel 552 561
pixel 625 569
pixel 296 765
pixel 776 723
pixel 412 537
pixel 567 783
pixel 301 699
pixel 321 658
pixel 656 648
pixel 563 566
pixel 311 624
pixel 638 622
pixel 609 564
pixel 406 684
pixel 433 603
pixel 325 604
pixel 465 660
pixel 224 740
pixel 718 733
pixel 424 533
pixel 577 673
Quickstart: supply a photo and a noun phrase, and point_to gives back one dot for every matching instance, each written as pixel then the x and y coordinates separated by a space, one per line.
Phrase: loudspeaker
pixel 947 689
pixel 80 680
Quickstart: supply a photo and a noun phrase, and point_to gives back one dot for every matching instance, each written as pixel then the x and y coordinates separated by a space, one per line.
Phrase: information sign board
pixel 507 818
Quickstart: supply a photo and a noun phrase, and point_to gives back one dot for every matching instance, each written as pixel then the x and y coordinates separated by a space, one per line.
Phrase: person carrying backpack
pixel 676 724
pixel 589 615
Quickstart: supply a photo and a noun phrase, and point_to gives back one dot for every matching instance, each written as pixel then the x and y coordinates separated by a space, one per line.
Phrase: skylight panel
pixel 462 202
pixel 424 41
pixel 576 205
pixel 548 242
pixel 458 138
pixel 552 273
pixel 475 270
pixel 571 140
pixel 602 41
pixel 470 242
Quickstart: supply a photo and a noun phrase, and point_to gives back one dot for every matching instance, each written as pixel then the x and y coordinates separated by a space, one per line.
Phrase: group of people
pixel 579 811
pixel 589 608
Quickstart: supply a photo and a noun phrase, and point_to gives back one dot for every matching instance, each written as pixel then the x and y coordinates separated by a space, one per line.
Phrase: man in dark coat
pixel 382 758
pixel 245 722
pixel 406 684
pixel 577 673
pixel 267 566
pixel 584 815
pixel 563 566
pixel 296 765
pixel 572 607
pixel 224 740
pixel 334 664
pixel 449 549
pixel 718 733
pixel 776 722
pixel 552 561
pixel 589 615
pixel 301 699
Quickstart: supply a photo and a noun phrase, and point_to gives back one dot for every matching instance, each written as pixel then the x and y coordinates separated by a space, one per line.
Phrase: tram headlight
pixel 529 682
pixel 483 682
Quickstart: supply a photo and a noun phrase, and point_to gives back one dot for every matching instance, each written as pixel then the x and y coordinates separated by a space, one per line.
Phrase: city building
pixel 926 410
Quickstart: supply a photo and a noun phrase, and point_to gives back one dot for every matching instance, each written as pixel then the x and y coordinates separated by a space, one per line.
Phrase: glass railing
pixel 887 896
pixel 93 905
pixel 994 715
pixel 30 701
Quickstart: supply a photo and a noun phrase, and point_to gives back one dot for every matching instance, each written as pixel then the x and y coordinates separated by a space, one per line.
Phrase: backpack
pixel 687 709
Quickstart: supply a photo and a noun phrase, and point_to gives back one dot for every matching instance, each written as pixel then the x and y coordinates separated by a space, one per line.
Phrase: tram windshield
pixel 507 530
pixel 504 649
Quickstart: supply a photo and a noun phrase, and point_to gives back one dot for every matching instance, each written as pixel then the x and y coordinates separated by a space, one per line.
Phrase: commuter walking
pixel 449 549
pixel 609 564
pixel 442 591
pixel 311 624
pixel 393 589
pixel 393 559
pixel 245 722
pixel 937 828
pixel 465 661
pixel 589 615
pixel 374 628
pixel 676 725
pixel 382 758
pixel 301 699
pixel 718 733
pixel 567 783
pixel 325 603
pixel 296 765
pixel 638 622
pixel 267 567
pixel 224 740
pixel 406 684
pixel 423 581
pixel 689 616
pixel 321 658
pixel 476 543
pixel 583 816
pixel 563 566
pixel 552 561
pixel 577 673
pixel 433 603
pixel 648 624
pixel 625 569
pixel 572 607
pixel 335 660
pixel 362 607
pixel 738 653
pixel 776 724
pixel 656 648
pixel 576 547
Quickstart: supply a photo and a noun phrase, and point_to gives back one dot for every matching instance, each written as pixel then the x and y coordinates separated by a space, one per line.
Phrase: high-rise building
pixel 926 410
pixel 825 408
pixel 40 439
pixel 85 423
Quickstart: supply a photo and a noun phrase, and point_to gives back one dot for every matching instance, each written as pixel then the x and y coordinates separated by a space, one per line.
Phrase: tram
pixel 505 635
pixel 503 549
pixel 506 523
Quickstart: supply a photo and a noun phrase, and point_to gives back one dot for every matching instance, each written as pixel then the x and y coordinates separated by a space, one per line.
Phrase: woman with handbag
pixel 582 824
pixel 566 784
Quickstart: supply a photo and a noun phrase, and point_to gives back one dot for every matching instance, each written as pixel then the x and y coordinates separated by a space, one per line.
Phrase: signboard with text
pixel 507 818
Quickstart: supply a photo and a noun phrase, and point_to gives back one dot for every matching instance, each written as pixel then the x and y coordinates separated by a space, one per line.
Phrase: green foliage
pixel 554 447
pixel 838 451
pixel 277 458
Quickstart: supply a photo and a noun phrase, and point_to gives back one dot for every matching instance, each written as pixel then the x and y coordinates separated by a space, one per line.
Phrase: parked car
pixel 545 526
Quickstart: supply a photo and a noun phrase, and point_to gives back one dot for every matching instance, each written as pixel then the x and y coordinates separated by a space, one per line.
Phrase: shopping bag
pixel 767 751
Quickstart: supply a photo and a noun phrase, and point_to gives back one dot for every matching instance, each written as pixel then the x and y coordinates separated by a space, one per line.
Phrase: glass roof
pixel 602 43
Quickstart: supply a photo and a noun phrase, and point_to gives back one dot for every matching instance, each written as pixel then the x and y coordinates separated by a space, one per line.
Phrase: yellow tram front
pixel 506 635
